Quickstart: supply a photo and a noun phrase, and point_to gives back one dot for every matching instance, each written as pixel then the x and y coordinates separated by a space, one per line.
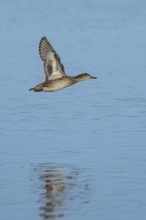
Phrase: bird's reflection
pixel 61 188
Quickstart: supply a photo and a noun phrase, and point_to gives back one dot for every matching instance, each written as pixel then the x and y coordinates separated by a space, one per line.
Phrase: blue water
pixel 79 153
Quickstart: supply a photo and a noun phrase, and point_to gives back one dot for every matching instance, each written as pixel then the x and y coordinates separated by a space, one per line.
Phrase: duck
pixel 55 77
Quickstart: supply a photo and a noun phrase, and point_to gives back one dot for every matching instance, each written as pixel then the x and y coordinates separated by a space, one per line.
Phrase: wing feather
pixel 52 63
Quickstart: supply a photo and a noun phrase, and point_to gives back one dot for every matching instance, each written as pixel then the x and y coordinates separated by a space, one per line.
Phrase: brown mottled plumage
pixel 56 78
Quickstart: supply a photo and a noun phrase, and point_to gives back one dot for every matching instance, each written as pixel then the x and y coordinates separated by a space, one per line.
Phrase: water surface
pixel 78 153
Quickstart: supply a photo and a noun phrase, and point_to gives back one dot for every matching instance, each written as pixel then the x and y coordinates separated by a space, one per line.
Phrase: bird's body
pixel 56 78
pixel 55 84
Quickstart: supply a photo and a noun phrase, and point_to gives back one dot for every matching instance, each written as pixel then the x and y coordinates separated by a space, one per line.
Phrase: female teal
pixel 56 78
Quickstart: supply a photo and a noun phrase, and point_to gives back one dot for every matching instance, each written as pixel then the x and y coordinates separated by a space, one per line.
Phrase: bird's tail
pixel 32 89
pixel 37 88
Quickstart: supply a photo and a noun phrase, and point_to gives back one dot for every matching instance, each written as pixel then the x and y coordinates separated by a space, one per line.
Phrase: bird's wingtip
pixel 43 38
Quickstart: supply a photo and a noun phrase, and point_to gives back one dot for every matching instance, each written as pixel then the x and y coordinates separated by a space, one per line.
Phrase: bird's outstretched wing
pixel 52 64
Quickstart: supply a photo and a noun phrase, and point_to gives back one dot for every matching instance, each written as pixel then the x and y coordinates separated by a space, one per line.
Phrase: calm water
pixel 79 153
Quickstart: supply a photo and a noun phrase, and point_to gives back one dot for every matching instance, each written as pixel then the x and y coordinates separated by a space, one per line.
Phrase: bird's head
pixel 85 76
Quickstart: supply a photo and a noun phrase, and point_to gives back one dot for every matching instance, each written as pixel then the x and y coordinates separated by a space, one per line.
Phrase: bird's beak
pixel 94 77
